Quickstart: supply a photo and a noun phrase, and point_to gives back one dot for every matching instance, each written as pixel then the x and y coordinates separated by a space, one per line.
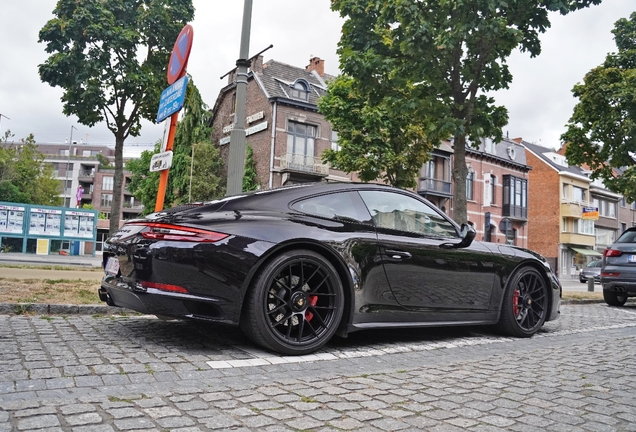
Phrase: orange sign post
pixel 176 70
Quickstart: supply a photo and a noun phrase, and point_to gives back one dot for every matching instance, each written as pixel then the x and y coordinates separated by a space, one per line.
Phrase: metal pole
pixel 163 176
pixel 191 167
pixel 236 163
pixel 2 115
pixel 68 163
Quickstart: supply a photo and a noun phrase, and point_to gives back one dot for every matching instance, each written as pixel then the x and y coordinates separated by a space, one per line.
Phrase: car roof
pixel 279 198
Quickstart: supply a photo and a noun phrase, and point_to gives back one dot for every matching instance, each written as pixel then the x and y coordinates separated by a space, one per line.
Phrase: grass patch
pixel 49 291
pixel 52 267
pixel 308 399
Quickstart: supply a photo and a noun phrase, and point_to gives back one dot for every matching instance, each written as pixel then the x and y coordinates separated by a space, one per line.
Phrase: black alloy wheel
pixel 295 304
pixel 525 304
pixel 614 299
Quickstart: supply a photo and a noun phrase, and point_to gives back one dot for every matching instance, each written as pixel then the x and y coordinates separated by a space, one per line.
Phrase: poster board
pixel 12 219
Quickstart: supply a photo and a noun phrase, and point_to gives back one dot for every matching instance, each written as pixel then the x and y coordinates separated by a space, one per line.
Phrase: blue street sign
pixel 172 99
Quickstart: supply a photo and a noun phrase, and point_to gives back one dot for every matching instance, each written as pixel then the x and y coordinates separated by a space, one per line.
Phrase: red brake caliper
pixel 312 301
pixel 515 303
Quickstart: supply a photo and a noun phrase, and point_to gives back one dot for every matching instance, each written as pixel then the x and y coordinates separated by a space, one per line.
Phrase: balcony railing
pixel 514 212
pixel 434 186
pixel 303 163
pixel 134 208
pixel 86 174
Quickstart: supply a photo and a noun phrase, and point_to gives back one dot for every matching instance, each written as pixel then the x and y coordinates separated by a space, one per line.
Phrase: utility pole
pixel 68 163
pixel 236 162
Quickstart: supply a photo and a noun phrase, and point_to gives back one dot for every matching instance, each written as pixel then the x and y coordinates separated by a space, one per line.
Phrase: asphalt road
pixel 90 373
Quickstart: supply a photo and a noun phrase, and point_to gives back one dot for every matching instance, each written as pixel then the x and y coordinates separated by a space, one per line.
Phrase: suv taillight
pixel 612 252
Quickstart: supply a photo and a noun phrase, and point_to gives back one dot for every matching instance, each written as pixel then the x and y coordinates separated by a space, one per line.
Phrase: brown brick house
pixel 283 126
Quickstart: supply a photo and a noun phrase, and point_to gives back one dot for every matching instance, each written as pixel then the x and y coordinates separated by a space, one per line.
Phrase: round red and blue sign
pixel 180 54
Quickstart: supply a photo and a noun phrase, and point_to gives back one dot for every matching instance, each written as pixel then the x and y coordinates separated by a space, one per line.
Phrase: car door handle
pixel 395 254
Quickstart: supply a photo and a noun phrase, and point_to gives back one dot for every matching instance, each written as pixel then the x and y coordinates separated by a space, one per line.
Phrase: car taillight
pixel 161 231
pixel 610 274
pixel 164 287
pixel 612 253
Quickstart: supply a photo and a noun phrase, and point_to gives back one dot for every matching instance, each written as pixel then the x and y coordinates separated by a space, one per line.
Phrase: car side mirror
pixel 467 235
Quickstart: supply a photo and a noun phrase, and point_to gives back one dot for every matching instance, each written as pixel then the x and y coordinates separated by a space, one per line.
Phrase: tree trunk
pixel 460 171
pixel 118 182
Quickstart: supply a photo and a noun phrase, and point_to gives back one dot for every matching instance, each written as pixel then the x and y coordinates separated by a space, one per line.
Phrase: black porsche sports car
pixel 295 265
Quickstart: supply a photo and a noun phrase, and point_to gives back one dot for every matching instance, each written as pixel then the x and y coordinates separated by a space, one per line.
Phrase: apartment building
pixel 85 180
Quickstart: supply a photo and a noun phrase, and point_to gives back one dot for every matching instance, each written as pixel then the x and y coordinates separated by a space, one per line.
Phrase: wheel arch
pixel 542 271
pixel 332 256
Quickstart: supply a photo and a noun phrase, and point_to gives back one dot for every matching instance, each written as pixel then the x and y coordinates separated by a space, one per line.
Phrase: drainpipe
pixel 271 152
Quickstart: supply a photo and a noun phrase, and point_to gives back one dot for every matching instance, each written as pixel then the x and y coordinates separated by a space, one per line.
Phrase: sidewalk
pixel 573 284
pixel 56 260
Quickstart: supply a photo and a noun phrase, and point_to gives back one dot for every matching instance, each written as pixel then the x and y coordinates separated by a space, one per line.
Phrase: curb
pixel 96 309
pixel 60 309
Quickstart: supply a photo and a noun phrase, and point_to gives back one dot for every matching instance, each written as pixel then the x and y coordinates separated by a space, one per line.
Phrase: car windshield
pixel 594 264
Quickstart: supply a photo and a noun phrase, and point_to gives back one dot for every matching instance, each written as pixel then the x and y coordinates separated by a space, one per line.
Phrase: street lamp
pixel 2 115
pixel 68 163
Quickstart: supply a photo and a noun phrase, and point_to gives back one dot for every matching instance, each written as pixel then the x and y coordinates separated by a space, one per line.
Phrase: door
pixel 421 273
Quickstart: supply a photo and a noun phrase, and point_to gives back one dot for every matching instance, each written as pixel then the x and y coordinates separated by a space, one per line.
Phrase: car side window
pixel 344 205
pixel 403 213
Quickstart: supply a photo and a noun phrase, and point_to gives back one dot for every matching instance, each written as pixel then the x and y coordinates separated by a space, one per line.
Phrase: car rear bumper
pixel 116 292
pixel 620 286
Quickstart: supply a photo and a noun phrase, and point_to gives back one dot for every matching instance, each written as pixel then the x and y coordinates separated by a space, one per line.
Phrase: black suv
pixel 618 272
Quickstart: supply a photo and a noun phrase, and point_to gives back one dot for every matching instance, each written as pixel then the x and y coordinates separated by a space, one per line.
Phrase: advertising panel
pixel 11 219
pixel 79 224
pixel 45 221
pixel 590 213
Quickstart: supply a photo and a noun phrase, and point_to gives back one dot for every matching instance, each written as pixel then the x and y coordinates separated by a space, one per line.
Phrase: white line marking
pixel 265 358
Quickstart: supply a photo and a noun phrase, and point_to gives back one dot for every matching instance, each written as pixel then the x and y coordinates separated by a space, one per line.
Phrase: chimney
pixel 316 64
pixel 257 64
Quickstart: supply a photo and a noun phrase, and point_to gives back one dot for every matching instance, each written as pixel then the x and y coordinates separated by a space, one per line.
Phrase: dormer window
pixel 300 90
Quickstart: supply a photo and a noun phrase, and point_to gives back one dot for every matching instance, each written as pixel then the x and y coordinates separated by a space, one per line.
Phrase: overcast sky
pixel 539 100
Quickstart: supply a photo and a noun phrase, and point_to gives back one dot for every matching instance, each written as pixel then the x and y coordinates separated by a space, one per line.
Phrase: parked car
pixel 618 272
pixel 297 265
pixel 591 270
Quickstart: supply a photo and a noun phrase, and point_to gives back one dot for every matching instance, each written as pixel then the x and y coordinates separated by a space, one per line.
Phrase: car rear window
pixel 627 237
pixel 343 204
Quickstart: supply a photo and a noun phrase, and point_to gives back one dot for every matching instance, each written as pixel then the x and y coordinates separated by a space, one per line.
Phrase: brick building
pixel 497 200
pixel 558 195
pixel 283 126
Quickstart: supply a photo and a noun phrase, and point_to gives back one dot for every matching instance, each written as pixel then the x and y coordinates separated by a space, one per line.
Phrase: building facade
pixel 283 126
pixel 85 180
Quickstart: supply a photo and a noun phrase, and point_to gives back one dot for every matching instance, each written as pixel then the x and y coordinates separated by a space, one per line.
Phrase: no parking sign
pixel 180 54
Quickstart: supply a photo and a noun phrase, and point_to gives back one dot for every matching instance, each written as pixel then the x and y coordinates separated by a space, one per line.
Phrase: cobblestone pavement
pixel 92 373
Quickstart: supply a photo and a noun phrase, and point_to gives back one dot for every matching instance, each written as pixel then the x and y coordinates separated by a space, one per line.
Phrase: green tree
pixel 377 139
pixel 7 134
pixel 207 180
pixel 104 163
pixel 250 178
pixel 445 55
pixel 143 183
pixel 602 130
pixel 192 130
pixel 110 58
pixel 25 178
